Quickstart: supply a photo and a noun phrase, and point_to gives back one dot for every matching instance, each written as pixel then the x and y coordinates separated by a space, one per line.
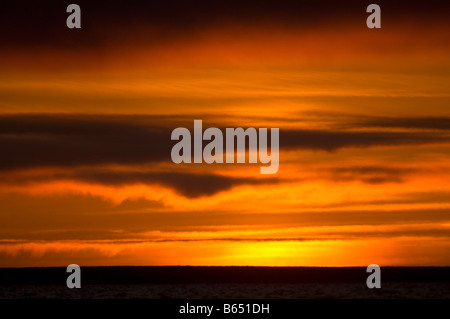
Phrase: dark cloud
pixel 186 184
pixel 30 141
pixel 372 174
pixel 428 123
pixel 190 185
pixel 332 140
pixel 344 121
pixel 60 140
pixel 33 141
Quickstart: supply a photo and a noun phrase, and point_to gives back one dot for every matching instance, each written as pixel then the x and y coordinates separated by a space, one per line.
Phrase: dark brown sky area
pixel 42 23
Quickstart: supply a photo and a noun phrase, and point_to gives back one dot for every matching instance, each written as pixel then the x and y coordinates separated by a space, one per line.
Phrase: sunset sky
pixel 86 117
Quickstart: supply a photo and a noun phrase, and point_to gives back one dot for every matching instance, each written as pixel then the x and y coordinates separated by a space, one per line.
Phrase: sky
pixel 86 117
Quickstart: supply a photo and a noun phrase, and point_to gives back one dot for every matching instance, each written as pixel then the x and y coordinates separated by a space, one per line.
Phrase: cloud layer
pixel 79 140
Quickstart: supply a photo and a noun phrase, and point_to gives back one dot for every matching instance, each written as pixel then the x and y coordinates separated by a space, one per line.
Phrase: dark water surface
pixel 225 283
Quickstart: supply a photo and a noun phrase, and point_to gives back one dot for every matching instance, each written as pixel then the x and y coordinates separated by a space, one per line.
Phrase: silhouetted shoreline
pixel 232 274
